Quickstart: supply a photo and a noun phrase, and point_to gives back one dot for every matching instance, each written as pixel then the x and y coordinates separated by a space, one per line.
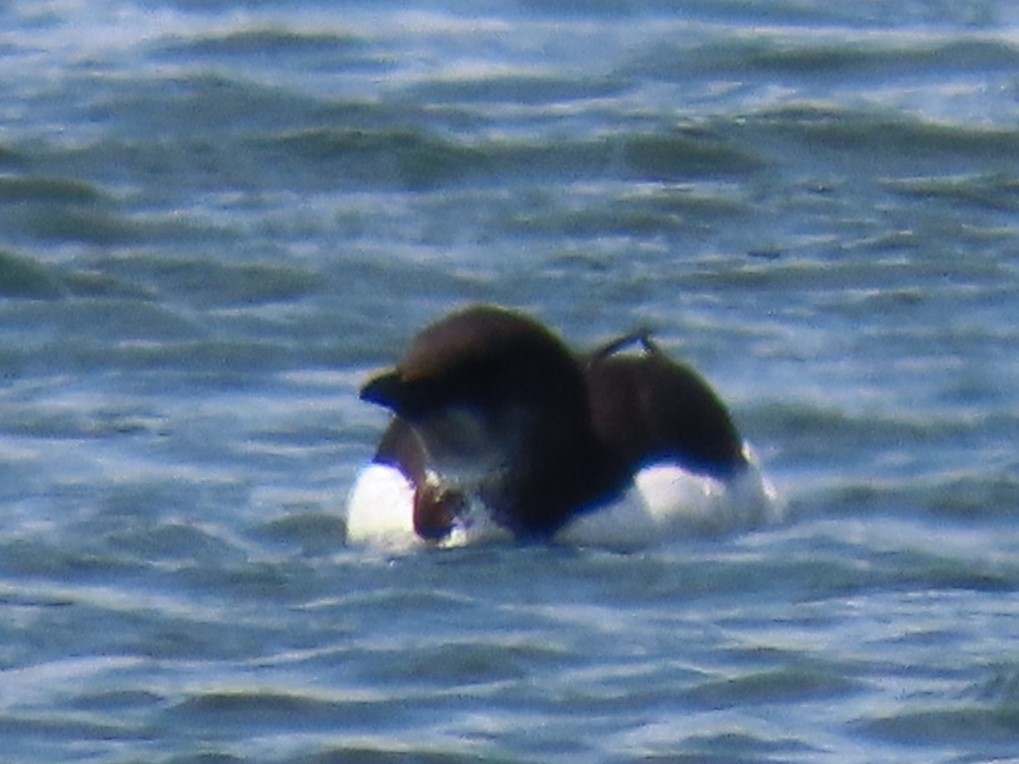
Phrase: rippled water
pixel 217 218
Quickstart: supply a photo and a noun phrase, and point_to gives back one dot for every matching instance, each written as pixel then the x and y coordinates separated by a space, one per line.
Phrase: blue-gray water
pixel 217 217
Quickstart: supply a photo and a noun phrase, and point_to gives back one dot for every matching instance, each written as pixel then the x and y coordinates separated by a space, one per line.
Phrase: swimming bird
pixel 499 428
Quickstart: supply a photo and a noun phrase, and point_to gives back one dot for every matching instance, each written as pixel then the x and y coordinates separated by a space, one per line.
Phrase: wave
pixel 259 42
pixel 793 55
pixel 25 277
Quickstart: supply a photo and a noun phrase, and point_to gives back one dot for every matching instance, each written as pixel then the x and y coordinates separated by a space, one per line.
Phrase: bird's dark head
pixel 479 383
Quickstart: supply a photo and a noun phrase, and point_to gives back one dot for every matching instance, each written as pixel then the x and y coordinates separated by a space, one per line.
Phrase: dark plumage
pixel 490 405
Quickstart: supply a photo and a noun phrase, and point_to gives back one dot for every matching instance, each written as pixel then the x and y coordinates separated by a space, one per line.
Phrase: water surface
pixel 217 218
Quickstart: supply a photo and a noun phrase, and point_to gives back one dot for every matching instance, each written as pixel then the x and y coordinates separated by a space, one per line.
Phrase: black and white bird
pixel 500 430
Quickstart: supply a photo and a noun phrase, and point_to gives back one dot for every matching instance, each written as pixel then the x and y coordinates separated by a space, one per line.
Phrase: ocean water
pixel 217 218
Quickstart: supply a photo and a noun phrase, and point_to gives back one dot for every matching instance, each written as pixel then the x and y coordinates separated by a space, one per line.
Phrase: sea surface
pixel 219 217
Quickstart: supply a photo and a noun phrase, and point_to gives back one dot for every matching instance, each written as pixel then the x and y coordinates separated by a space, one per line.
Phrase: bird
pixel 499 430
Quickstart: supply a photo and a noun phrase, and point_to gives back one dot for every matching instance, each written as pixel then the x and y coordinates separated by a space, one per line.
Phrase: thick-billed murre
pixel 499 427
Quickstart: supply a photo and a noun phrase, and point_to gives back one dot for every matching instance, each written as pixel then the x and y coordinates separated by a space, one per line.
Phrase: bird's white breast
pixel 665 503
pixel 380 513
pixel 380 509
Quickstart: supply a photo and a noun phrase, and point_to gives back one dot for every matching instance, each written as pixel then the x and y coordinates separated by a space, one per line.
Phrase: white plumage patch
pixel 380 509
pixel 665 503
pixel 668 503
pixel 380 514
